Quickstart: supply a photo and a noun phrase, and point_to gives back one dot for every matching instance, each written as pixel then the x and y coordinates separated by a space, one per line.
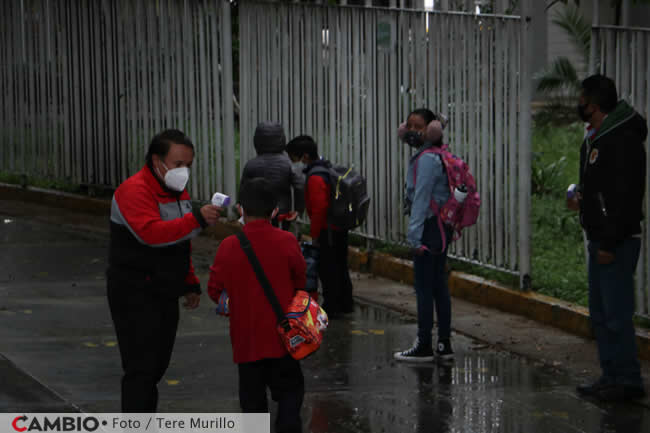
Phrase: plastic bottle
pixel 460 193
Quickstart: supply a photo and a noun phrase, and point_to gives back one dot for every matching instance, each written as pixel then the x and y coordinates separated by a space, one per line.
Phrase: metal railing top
pixel 397 8
pixel 621 28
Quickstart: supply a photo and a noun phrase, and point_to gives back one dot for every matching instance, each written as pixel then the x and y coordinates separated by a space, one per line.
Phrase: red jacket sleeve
pixel 317 202
pixel 140 211
pixel 218 271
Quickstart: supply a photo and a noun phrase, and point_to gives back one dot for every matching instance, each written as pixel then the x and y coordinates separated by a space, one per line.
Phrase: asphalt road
pixel 58 352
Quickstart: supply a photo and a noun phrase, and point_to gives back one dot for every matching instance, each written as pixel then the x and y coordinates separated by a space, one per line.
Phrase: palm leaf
pixel 571 20
pixel 560 75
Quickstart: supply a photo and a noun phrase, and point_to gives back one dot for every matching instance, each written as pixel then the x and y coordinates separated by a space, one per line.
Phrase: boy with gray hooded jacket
pixel 273 164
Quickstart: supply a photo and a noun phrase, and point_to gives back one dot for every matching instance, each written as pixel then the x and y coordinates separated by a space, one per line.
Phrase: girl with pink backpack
pixel 441 199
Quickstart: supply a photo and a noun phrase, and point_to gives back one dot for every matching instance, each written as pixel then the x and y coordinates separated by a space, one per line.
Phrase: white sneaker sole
pixel 415 359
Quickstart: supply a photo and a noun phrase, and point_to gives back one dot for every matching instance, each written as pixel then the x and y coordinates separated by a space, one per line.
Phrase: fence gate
pixel 87 83
pixel 623 54
pixel 349 75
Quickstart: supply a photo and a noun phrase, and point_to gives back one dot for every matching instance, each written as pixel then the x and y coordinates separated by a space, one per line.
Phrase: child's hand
pixel 291 216
pixel 192 301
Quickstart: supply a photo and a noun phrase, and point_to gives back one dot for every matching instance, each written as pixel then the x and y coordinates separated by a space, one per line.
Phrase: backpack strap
pixel 261 277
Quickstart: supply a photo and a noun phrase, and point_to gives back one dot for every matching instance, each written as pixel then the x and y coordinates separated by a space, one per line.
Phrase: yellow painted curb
pixel 544 309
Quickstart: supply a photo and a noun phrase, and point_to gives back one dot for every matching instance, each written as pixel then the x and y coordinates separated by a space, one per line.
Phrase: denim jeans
pixel 431 284
pixel 611 307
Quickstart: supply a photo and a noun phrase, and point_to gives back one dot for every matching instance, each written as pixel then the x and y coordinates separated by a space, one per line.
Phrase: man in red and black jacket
pixel 332 241
pixel 150 264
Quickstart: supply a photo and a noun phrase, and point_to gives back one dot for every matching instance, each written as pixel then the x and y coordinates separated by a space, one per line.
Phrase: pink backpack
pixel 454 214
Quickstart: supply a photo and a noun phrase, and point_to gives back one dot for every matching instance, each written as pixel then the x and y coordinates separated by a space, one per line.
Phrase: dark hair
pixel 303 144
pixel 601 91
pixel 257 198
pixel 161 143
pixel 424 113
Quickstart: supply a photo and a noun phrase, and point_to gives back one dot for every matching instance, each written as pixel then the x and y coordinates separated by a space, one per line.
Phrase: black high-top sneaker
pixel 417 353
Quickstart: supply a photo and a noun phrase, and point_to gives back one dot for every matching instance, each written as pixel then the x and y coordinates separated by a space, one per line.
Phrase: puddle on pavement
pixel 354 385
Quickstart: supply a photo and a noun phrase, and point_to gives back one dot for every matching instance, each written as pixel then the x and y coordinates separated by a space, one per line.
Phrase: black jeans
pixel 146 329
pixel 283 376
pixel 334 273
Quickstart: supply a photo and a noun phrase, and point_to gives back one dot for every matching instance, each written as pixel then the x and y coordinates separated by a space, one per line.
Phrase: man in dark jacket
pixel 150 264
pixel 273 164
pixel 610 200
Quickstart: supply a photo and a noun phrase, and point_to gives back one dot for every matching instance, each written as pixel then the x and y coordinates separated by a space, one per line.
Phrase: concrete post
pixel 525 145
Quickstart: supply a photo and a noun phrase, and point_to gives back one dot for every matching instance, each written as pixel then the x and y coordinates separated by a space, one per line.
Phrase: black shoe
pixel 444 353
pixel 618 392
pixel 417 353
pixel 592 388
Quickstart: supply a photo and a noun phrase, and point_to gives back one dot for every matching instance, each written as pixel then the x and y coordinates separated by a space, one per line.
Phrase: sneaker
pixel 417 353
pixel 444 352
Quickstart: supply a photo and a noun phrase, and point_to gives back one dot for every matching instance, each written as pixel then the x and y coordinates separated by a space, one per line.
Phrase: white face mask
pixel 176 178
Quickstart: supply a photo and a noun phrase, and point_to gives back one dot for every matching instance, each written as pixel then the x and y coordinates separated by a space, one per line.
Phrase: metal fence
pixel 87 83
pixel 624 55
pixel 348 76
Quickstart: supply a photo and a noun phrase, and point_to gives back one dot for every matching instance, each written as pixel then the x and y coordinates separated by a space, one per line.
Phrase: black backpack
pixel 349 199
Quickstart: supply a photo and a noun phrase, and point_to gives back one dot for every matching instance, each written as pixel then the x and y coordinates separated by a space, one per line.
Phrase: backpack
pixel 454 214
pixel 349 199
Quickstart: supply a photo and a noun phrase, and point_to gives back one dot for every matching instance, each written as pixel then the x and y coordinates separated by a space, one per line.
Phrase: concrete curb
pixel 544 309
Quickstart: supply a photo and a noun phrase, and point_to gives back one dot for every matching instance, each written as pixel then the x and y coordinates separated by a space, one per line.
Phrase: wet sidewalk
pixel 60 352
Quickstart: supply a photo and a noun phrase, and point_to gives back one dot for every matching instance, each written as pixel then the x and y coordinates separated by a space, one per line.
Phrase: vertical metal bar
pixel 5 85
pixel 193 15
pixel 22 99
pixel 137 134
pixel 498 61
pixel 513 87
pixel 112 74
pixel 245 79
pixel 98 122
pixel 646 282
pixel 380 87
pixel 122 92
pixel 13 84
pixel 525 151
pixel 30 47
pixel 40 108
pixel 216 141
pixel 228 109
pixel 202 192
pixel 391 133
pixel 595 20
pixel 155 14
pixel 49 105
pixel 330 149
pixel 356 86
pixel 369 124
pixel 485 138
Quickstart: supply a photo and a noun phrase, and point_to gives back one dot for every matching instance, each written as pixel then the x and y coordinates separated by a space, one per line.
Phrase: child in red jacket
pixel 262 358
pixel 332 241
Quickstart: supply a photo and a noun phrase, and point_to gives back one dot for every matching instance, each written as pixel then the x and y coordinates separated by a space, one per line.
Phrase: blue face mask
pixel 413 139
